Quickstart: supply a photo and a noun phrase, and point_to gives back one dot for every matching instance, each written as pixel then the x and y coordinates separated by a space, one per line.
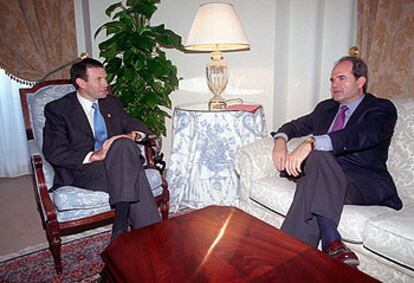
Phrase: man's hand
pixel 101 153
pixel 134 136
pixel 296 158
pixel 279 153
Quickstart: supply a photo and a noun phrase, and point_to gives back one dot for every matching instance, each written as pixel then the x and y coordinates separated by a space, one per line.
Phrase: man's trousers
pixel 322 189
pixel 122 176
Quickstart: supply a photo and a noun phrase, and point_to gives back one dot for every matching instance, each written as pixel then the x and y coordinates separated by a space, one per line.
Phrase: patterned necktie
pixel 339 122
pixel 99 126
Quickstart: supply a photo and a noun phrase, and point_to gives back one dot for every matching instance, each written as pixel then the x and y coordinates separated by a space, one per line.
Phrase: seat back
pixel 33 103
pixel 401 154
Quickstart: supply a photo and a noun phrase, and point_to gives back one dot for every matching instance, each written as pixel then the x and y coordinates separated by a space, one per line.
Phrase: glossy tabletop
pixel 220 244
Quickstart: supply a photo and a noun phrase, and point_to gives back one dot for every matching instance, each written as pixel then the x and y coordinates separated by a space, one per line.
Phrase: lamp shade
pixel 216 26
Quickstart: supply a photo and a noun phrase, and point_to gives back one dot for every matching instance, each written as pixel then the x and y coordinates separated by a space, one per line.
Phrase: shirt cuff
pixel 141 134
pixel 87 158
pixel 280 135
pixel 323 143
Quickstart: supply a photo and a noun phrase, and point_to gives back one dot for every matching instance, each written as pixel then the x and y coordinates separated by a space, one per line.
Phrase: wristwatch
pixel 311 140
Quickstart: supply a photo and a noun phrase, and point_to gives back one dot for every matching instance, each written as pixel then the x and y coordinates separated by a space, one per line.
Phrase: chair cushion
pixel 80 213
pixel 74 198
pixel 392 235
pixel 68 198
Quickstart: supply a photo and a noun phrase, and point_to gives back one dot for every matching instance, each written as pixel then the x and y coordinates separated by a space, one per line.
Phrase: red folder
pixel 244 107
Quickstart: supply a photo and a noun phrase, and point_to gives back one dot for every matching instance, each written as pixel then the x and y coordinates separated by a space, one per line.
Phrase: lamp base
pixel 216 103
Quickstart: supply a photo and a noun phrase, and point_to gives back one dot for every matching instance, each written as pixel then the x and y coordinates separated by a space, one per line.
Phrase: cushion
pixel 401 153
pixel 277 194
pixel 354 219
pixel 73 198
pixel 80 213
pixel 36 104
pixel 392 235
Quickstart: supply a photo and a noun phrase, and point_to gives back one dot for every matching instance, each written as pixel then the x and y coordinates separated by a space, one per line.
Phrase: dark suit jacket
pixel 361 148
pixel 68 137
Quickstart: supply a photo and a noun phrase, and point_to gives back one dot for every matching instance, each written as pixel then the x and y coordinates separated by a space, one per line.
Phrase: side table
pixel 201 166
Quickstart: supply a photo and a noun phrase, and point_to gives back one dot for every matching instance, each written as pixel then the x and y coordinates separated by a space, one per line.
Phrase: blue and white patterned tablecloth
pixel 201 170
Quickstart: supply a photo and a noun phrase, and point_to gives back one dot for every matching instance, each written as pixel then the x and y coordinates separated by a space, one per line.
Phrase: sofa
pixel 382 238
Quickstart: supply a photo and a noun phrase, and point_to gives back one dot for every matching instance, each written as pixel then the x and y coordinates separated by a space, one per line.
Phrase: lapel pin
pixel 109 115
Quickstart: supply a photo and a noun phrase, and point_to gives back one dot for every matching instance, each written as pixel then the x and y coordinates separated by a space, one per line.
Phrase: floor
pixel 19 219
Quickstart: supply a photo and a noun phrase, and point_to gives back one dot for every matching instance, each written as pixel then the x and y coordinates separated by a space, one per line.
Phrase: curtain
pixel 386 42
pixel 14 157
pixel 38 36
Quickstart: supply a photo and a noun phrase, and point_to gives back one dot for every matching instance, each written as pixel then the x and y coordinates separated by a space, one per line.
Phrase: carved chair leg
pixel 55 243
pixel 165 204
pixel 164 210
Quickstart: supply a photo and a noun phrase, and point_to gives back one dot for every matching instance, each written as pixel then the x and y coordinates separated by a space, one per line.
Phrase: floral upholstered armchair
pixel 69 209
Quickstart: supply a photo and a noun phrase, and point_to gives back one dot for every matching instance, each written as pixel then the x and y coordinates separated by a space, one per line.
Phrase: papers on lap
pixel 244 107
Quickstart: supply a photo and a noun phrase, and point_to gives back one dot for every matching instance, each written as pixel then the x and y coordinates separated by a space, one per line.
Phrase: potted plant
pixel 138 69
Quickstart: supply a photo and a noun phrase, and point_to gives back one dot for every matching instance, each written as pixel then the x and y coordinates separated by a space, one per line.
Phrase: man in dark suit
pixel 343 162
pixel 90 141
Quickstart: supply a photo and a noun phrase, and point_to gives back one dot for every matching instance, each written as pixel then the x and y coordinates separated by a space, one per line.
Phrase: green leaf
pixel 110 77
pixel 157 67
pixel 129 74
pixel 146 8
pixel 108 54
pixel 143 41
pixel 113 27
pixel 113 65
pixel 112 7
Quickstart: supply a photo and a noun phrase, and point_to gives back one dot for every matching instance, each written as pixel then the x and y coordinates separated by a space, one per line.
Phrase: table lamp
pixel 216 27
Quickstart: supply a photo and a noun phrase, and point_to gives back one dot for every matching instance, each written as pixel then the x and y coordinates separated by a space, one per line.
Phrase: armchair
pixel 69 209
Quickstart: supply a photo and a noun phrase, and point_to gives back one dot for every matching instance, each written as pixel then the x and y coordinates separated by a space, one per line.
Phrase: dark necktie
pixel 339 122
pixel 99 126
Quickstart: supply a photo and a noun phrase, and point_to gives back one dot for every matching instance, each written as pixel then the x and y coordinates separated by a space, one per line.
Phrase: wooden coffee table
pixel 220 244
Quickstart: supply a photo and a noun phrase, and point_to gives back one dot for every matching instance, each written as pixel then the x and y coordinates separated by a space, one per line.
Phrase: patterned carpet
pixel 80 259
pixel 81 263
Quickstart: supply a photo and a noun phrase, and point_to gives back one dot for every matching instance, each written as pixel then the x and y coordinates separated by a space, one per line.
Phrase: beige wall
pixel 293 45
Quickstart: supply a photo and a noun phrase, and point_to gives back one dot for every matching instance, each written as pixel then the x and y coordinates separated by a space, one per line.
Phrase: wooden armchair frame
pixel 54 228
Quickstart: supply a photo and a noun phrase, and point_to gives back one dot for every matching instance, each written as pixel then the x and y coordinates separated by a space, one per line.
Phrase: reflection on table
pixel 201 170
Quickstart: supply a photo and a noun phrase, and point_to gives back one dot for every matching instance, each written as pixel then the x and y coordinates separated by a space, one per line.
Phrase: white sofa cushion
pixel 277 194
pixel 353 220
pixel 392 235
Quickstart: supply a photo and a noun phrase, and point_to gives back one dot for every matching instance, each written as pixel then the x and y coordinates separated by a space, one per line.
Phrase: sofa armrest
pixel 254 161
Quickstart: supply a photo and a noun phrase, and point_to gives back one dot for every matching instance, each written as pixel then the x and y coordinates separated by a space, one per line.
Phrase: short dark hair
pixel 79 69
pixel 359 68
